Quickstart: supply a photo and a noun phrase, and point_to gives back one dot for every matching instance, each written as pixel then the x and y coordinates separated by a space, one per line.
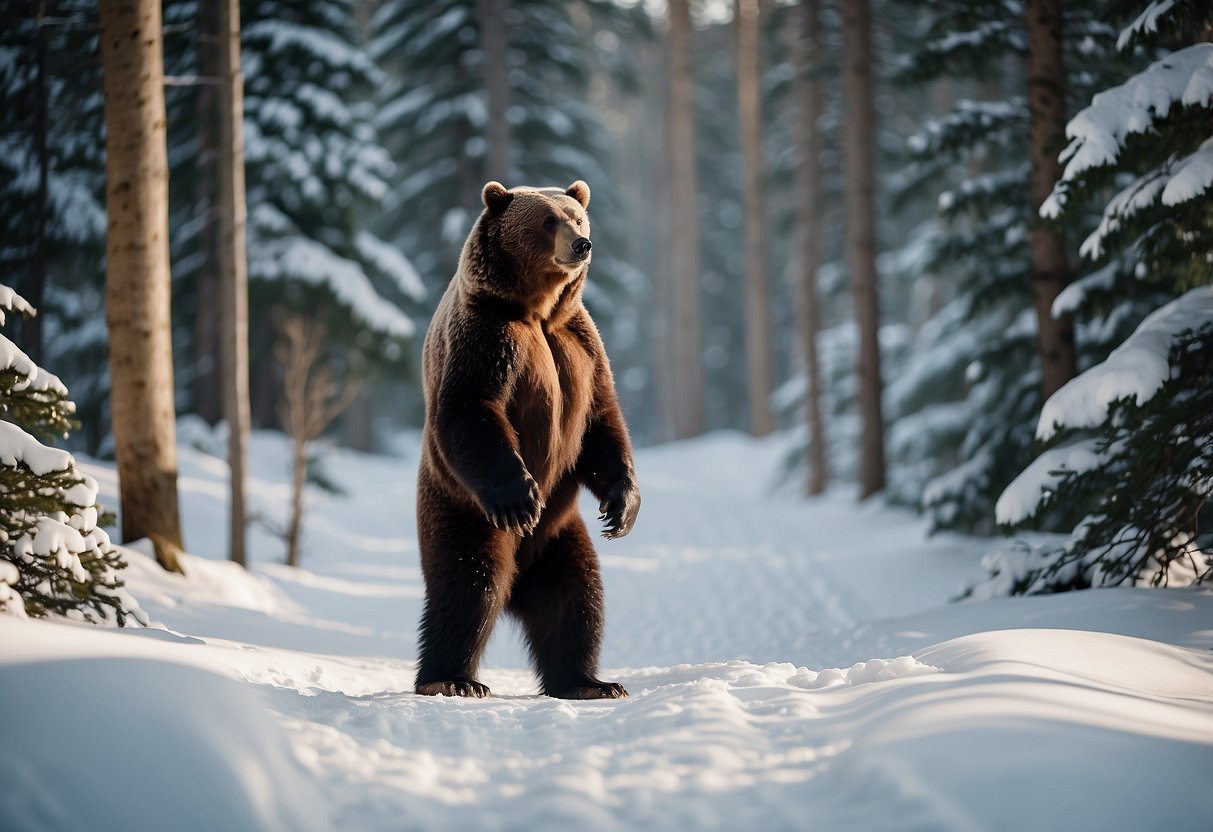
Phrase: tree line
pixel 859 221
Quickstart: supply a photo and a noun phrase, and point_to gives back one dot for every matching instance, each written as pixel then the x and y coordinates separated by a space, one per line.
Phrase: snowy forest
pixel 909 309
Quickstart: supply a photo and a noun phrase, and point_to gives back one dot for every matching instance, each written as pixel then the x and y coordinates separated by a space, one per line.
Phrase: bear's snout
pixel 581 247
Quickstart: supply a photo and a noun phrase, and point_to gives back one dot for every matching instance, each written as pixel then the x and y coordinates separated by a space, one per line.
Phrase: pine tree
pixel 316 174
pixel 1129 465
pixel 53 557
pixel 964 412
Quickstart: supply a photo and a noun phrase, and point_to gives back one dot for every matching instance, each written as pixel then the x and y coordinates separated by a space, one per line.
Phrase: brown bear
pixel 520 412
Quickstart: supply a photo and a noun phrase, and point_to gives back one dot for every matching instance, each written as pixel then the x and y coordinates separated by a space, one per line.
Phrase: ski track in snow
pixel 791 665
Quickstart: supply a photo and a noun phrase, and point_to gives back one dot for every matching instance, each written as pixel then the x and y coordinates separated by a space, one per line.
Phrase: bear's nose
pixel 582 246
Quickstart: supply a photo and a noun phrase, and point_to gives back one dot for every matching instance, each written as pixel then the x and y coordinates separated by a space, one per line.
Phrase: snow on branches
pixel 53 557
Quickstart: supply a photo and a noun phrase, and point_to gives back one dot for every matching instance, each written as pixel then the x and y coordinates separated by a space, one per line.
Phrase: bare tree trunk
pixel 137 274
pixel 234 270
pixel 1046 137
pixel 204 387
pixel 494 43
pixel 808 190
pixel 859 139
pixel 685 300
pixel 311 400
pixel 294 526
pixel 759 374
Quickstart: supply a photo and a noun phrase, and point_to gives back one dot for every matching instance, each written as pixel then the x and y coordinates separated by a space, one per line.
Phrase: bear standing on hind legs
pixel 520 412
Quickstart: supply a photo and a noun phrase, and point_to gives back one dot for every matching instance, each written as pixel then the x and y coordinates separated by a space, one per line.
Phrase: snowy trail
pixel 791 665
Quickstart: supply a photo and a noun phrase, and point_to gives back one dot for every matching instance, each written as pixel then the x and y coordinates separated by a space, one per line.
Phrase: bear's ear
pixel 580 192
pixel 495 197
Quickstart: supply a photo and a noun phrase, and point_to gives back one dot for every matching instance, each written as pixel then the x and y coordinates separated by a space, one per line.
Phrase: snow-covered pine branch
pixel 1099 133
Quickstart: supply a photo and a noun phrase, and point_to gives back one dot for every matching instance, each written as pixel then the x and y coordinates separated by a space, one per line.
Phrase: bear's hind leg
pixel 465 587
pixel 558 600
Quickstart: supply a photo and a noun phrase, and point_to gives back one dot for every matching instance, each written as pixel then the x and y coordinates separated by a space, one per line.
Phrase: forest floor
pixel 791 665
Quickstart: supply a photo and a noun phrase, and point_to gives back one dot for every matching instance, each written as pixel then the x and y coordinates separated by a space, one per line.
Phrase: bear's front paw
pixel 514 506
pixel 619 508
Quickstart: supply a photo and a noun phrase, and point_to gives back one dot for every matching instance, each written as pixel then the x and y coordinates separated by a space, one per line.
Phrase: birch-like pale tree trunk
pixel 686 339
pixel 859 141
pixel 1046 244
pixel 137 274
pixel 759 372
pixel 233 281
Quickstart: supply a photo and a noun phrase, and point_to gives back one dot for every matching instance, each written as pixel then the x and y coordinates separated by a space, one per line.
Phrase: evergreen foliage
pixel 1136 429
pixel 54 559
pixel 965 413
pixel 316 172
pixel 73 333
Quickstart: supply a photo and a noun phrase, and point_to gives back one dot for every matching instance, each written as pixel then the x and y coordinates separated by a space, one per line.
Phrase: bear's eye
pixel 579 223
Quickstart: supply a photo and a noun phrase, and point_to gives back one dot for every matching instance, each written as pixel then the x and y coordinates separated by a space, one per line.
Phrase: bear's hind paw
pixel 592 690
pixel 463 687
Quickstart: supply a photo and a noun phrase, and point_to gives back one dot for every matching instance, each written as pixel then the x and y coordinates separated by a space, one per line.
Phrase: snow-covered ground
pixel 792 665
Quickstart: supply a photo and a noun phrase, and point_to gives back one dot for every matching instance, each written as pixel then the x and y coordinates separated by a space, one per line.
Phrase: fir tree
pixel 53 557
pixel 1130 460
pixel 965 411
pixel 315 172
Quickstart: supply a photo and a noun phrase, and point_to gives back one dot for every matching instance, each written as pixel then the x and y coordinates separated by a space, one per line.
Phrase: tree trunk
pixel 759 374
pixel 137 274
pixel 204 387
pixel 34 291
pixel 233 270
pixel 685 301
pixel 859 139
pixel 1046 137
pixel 494 43
pixel 808 191
pixel 359 424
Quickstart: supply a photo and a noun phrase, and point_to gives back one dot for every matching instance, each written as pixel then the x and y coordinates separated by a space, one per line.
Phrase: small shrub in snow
pixel 53 557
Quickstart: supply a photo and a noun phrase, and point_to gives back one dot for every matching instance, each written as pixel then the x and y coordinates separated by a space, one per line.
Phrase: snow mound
pixel 152 745
pixel 860 673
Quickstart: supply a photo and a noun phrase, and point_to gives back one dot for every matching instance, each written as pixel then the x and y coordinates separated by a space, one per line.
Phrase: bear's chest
pixel 551 403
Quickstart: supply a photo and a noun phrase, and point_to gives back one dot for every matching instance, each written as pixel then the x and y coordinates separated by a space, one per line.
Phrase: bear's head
pixel 537 236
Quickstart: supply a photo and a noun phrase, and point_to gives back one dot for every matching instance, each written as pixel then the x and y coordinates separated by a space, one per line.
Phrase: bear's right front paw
pixel 514 507
pixel 463 687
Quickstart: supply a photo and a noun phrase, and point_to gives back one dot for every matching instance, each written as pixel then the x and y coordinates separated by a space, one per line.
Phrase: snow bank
pixel 142 745
pixel 1136 370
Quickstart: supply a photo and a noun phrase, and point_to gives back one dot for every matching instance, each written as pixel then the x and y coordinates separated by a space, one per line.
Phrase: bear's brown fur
pixel 520 413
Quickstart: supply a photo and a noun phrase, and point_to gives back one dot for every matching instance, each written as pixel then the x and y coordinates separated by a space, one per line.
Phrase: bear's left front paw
pixel 619 508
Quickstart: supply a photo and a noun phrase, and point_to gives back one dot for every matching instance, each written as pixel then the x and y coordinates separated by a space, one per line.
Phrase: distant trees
pixel 137 274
